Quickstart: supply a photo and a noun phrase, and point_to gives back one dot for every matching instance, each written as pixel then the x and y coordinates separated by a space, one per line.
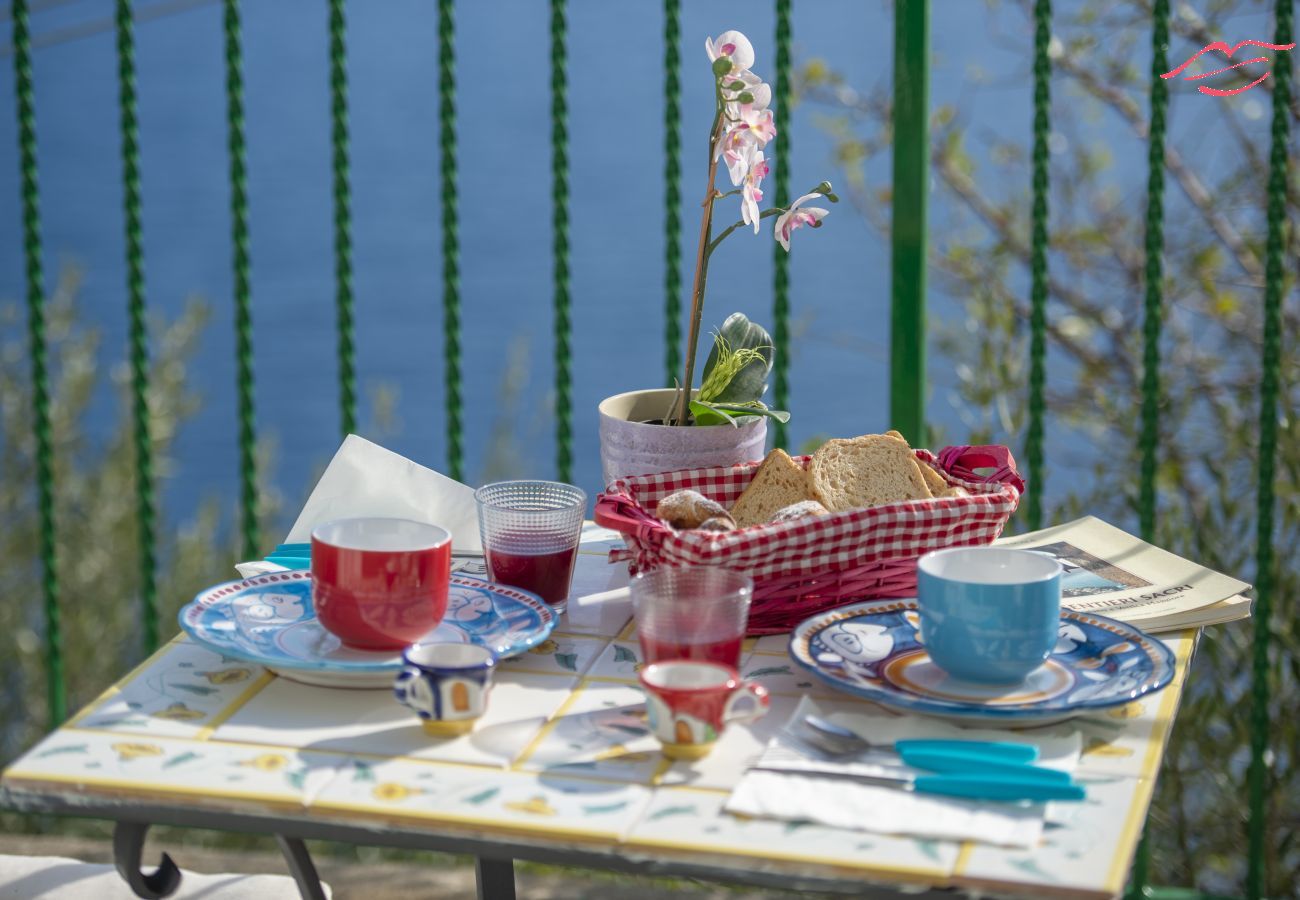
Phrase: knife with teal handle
pixel 1000 786
pixel 1003 751
pixel 965 762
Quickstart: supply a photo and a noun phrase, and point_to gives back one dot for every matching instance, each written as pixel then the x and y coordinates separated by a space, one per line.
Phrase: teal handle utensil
pixel 973 762
pixel 290 562
pixel 302 549
pixel 1001 750
pixel 996 787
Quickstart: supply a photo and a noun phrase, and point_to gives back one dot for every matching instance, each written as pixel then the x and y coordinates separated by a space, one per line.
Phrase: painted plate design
pixel 269 619
pixel 874 650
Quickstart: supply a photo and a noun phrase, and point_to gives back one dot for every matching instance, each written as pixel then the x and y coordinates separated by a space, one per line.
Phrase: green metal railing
pixel 908 291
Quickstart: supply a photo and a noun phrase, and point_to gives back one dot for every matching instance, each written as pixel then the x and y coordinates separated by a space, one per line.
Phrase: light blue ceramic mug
pixel 988 614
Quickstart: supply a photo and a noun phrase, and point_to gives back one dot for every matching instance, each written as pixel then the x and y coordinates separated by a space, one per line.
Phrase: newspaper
pixel 1112 573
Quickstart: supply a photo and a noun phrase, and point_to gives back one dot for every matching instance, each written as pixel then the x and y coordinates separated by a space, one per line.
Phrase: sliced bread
pixel 864 471
pixel 933 480
pixel 779 482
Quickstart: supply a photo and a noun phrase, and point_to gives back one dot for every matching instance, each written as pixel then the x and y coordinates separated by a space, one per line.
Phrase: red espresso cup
pixel 379 584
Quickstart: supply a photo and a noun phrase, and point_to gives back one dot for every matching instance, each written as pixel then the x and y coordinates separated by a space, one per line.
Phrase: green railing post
pixel 139 349
pixel 56 691
pixel 1152 317
pixel 243 310
pixel 560 241
pixel 1038 263
pixel 342 217
pixel 672 191
pixel 450 234
pixel 784 101
pixel 908 231
pixel 1256 882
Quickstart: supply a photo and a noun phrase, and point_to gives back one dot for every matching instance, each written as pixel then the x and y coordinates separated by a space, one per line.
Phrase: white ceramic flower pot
pixel 629 446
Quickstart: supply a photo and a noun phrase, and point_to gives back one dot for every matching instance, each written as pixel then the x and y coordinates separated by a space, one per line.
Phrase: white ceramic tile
pixel 693 821
pixel 621 659
pixel 558 807
pixel 782 676
pixel 1120 740
pixel 374 722
pixel 178 694
pixel 596 539
pixel 160 767
pixel 606 613
pixel 775 644
pixel 561 654
pixel 603 733
pixel 1086 855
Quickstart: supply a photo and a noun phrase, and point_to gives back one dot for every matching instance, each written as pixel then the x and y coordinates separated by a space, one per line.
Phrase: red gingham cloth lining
pixel 816 545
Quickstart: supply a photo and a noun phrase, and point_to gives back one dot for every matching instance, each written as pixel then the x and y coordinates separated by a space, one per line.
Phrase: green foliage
pixel 1207 472
pixel 735 375
pixel 95 512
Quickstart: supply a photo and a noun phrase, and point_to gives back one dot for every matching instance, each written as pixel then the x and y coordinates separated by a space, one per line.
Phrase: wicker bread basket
pixel 816 563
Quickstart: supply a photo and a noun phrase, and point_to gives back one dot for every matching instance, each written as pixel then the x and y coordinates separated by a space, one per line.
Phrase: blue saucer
pixel 269 620
pixel 874 650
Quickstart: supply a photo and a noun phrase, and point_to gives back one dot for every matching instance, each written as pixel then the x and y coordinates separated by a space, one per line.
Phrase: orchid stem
pixel 701 268
pixel 713 245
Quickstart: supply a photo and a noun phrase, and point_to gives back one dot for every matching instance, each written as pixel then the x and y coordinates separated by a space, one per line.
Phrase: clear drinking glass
pixel 530 532
pixel 697 612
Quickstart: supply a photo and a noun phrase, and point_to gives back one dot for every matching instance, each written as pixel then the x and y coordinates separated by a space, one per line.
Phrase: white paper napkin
pixel 365 479
pixel 843 803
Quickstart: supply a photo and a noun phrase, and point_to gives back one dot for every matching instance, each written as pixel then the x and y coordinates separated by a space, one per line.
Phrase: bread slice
pixel 779 482
pixel 864 471
pixel 933 480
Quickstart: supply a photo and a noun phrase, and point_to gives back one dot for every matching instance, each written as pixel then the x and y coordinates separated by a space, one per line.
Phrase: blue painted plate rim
pixel 528 598
pixel 1165 665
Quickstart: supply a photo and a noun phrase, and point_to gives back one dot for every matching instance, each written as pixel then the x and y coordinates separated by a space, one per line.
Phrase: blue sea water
pixel 840 295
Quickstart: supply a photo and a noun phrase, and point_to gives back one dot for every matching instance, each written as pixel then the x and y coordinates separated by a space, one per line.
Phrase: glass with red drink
pixel 530 532
pixel 697 612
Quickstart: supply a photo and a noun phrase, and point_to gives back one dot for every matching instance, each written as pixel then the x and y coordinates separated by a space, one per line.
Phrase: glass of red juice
pixel 696 612
pixel 530 532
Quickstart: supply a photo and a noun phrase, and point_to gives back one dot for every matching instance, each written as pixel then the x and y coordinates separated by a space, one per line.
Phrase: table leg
pixel 496 878
pixel 128 846
pixel 301 867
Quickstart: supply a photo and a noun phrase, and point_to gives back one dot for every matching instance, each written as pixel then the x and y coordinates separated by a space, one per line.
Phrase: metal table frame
pixel 494 859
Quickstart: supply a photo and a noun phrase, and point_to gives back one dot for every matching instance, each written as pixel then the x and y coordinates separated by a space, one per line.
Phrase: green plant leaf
pixel 751 381
pixel 705 414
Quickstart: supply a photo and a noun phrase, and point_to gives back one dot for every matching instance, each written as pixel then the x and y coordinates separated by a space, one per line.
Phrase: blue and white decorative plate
pixel 269 620
pixel 874 650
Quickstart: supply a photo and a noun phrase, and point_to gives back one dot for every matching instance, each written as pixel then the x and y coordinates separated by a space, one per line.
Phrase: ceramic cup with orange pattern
pixel 689 702
pixel 446 684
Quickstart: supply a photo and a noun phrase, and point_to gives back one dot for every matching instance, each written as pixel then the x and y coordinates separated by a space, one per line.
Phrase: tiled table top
pixel 562 759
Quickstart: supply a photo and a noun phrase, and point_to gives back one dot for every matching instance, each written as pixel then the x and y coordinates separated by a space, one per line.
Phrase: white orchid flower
pixel 751 193
pixel 794 217
pixel 734 46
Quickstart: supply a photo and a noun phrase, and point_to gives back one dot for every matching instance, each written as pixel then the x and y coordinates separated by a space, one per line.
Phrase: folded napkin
pixel 365 479
pixel 826 796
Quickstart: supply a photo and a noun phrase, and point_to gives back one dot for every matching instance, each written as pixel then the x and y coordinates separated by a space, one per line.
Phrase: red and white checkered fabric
pixel 818 561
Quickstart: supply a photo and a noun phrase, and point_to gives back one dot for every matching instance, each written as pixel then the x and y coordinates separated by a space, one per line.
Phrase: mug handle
pixel 404 685
pixel 752 691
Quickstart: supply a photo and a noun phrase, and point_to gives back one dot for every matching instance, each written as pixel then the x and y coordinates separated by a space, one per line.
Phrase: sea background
pixel 840 274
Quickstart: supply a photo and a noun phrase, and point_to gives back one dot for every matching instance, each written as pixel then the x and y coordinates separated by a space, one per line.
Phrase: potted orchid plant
pixel 641 431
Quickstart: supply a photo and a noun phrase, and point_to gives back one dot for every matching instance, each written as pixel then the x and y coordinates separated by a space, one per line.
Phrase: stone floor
pixel 442 877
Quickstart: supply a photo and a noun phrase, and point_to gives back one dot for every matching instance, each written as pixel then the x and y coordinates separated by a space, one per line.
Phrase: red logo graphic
pixel 1227 51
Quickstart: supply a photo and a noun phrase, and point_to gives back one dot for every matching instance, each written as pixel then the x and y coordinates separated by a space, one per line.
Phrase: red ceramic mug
pixel 379 584
pixel 689 702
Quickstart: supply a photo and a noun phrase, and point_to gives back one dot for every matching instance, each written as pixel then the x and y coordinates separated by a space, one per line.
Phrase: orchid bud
pixel 736 86
pixel 746 97
pixel 721 66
